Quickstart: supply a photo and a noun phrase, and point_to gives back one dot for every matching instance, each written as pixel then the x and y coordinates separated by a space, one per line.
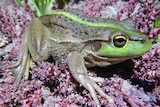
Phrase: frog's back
pixel 75 25
pixel 70 26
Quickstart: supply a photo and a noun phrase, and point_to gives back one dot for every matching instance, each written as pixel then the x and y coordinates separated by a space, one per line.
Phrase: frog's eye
pixel 96 46
pixel 119 40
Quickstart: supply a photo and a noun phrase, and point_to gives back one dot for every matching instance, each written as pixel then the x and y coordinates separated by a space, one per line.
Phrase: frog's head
pixel 120 46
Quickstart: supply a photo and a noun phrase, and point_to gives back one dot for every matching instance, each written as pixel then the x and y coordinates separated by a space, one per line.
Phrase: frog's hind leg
pixel 38 40
pixel 34 47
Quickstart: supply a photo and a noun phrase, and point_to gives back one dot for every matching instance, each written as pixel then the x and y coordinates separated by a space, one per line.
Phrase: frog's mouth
pixel 97 60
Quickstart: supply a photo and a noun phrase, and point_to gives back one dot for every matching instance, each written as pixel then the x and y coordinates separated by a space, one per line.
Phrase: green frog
pixel 82 42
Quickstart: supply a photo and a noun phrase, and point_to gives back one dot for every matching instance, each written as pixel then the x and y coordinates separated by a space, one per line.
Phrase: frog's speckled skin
pixel 83 41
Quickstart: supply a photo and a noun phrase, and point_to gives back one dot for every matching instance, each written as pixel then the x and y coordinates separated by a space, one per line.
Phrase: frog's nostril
pixel 135 38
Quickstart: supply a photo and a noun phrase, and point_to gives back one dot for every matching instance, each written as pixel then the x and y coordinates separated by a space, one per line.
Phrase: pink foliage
pixel 52 84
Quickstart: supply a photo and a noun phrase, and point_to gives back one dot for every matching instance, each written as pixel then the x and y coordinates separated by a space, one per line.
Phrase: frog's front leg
pixel 79 72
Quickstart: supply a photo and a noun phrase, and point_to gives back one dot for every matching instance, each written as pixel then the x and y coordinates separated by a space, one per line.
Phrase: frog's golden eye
pixel 96 46
pixel 119 40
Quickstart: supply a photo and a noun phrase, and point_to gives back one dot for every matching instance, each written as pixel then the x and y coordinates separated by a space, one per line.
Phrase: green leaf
pixel 40 7
pixel 20 3
pixel 157 22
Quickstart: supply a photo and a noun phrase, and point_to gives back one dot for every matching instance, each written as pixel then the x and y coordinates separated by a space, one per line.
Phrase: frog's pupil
pixel 120 40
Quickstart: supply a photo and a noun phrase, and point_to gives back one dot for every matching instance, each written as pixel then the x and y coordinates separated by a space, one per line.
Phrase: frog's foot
pixel 90 84
pixel 79 72
pixel 21 67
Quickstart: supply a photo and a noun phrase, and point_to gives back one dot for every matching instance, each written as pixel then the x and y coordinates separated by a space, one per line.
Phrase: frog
pixel 81 42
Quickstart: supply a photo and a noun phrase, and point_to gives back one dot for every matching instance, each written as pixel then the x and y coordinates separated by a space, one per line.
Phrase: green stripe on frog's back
pixel 88 21
pixel 61 22
pixel 85 25
pixel 81 18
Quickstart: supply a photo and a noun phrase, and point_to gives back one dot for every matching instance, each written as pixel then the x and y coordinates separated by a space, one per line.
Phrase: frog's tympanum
pixel 83 42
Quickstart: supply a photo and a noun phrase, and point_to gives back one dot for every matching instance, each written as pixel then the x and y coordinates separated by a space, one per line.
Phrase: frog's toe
pixel 16 64
pixel 101 92
pixel 90 86
pixel 21 68
pixel 97 79
pixel 98 89
pixel 19 72
pixel 94 87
